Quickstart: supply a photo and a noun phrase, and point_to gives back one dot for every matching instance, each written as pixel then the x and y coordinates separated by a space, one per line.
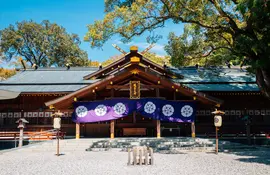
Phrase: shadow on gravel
pixel 261 156
pixel 61 154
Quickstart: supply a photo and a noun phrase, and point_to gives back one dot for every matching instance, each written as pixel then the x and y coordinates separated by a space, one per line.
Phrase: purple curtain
pixel 158 109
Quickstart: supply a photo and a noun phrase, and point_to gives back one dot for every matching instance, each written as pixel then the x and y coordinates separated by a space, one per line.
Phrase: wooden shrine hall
pixel 134 96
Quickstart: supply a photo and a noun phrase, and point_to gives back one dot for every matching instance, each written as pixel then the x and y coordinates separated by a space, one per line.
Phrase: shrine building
pixel 134 96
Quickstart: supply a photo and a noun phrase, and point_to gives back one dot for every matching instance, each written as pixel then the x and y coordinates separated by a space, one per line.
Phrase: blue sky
pixel 75 15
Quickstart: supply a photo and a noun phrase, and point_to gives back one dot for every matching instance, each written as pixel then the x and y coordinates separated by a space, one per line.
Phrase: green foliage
pixel 216 30
pixel 43 44
pixel 93 63
pixel 191 49
pixel 161 60
pixel 6 73
pixel 236 27
pixel 111 60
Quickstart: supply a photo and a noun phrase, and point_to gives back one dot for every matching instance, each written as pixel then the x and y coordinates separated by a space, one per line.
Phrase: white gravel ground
pixel 112 162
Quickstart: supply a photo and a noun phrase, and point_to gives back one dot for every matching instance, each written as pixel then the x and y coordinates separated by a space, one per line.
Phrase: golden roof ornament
pixel 134 49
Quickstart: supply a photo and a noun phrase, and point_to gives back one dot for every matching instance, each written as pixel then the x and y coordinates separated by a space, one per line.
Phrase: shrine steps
pixel 161 145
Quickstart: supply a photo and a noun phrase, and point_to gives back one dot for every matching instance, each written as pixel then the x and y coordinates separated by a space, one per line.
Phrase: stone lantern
pixel 57 125
pixel 21 126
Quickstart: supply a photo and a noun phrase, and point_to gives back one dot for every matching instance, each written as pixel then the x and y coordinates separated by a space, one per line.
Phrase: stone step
pixel 162 144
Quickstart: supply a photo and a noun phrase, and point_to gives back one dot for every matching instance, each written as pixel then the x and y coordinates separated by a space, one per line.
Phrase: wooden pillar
pixel 1 121
pixel 77 130
pixel 112 128
pixel 134 116
pixel 193 135
pixel 248 132
pixel 158 121
pixel 112 122
pixel 158 129
pixel 157 92
pixel 174 95
pixel 216 140
pixel 193 130
pixel 112 92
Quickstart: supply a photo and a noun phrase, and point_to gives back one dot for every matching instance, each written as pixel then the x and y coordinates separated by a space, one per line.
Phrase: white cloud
pixel 158 48
pixel 117 41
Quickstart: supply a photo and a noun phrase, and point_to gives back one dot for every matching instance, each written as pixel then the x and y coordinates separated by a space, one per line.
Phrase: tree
pixel 93 63
pixel 161 60
pixel 43 44
pixel 6 73
pixel 111 60
pixel 239 26
pixel 187 50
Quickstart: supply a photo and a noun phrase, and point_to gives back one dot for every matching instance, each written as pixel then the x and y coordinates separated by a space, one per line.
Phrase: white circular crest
pixel 167 110
pixel 101 110
pixel 186 111
pixel 149 107
pixel 81 111
pixel 119 108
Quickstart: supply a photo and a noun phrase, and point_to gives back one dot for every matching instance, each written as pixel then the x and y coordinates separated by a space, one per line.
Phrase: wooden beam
pixel 127 86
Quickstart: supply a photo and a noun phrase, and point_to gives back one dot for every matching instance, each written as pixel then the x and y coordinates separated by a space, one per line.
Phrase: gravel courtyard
pixel 112 162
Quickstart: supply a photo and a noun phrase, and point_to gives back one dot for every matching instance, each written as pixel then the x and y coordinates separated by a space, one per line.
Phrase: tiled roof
pixel 51 75
pixel 41 88
pixel 224 87
pixel 214 74
pixel 49 80
pixel 63 80
pixel 217 79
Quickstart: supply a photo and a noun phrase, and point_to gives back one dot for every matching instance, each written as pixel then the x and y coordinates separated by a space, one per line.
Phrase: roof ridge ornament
pixel 147 49
pixel 133 49
pixel 119 49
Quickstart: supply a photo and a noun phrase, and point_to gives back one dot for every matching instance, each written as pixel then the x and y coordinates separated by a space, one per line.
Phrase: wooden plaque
pixel 135 89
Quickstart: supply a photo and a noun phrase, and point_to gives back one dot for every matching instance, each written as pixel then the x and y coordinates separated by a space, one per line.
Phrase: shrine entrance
pixel 142 127
pixel 133 97
pixel 135 125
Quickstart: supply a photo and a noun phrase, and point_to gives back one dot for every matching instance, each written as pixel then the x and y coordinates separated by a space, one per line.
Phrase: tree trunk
pixel 263 81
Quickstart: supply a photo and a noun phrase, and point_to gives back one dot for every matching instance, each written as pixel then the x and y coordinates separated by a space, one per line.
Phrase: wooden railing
pixel 43 135
pixel 46 135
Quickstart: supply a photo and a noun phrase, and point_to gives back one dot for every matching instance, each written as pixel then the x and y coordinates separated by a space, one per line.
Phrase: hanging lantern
pixel 218 121
pixel 218 118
